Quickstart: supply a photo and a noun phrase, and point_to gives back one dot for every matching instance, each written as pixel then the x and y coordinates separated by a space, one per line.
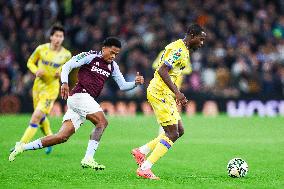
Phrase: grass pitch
pixel 198 160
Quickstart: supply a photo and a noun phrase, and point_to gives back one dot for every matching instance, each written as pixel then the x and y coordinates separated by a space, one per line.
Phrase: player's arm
pixel 75 62
pixel 122 84
pixel 172 57
pixel 32 62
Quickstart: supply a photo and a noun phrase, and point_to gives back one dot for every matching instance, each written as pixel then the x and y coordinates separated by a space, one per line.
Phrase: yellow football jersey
pixel 50 62
pixel 175 56
pixel 185 71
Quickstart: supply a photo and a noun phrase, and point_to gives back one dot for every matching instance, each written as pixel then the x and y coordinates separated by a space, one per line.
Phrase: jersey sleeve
pixel 156 62
pixel 75 62
pixel 172 57
pixel 119 79
pixel 33 60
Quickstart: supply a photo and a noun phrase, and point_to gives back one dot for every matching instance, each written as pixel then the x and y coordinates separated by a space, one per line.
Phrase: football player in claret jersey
pixel 95 69
pixel 163 95
pixel 46 63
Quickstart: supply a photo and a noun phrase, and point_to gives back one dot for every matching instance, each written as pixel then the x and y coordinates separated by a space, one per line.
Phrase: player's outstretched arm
pixel 33 59
pixel 164 73
pixel 122 84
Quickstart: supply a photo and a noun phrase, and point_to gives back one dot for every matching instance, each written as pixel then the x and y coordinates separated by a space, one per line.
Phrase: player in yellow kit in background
pixel 164 95
pixel 46 62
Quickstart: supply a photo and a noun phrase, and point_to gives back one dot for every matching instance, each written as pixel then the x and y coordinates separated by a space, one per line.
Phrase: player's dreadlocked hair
pixel 112 41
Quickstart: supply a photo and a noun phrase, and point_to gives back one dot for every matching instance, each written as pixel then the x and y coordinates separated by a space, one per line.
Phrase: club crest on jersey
pixel 177 54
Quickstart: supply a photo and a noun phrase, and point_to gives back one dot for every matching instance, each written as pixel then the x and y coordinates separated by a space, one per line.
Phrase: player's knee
pixel 173 136
pixel 36 117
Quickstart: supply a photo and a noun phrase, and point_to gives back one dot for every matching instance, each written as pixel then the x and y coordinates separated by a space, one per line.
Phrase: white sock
pixel 146 165
pixel 33 145
pixel 92 147
pixel 144 149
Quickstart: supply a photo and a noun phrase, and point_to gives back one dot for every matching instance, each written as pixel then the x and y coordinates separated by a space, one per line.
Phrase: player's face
pixel 109 53
pixel 197 41
pixel 57 38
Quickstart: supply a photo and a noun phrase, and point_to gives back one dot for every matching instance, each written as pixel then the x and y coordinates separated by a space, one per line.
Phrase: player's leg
pixel 180 128
pixel 46 130
pixel 165 143
pixel 63 135
pixel 46 105
pixel 140 153
pixel 167 115
pixel 36 116
pixel 33 126
pixel 101 123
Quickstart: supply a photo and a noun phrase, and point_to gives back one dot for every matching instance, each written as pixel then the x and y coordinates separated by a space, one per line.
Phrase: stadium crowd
pixel 243 53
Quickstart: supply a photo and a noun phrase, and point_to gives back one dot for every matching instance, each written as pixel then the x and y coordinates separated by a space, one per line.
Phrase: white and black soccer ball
pixel 237 167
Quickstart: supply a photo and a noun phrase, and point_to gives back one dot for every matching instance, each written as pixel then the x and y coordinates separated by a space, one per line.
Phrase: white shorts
pixel 79 105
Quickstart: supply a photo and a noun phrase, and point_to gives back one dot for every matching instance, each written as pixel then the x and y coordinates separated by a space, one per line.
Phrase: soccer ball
pixel 237 167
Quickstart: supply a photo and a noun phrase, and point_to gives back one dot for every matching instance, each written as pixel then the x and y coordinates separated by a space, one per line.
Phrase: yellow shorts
pixel 42 101
pixel 165 108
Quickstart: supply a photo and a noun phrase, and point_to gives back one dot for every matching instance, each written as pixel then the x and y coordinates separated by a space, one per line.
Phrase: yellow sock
pixel 152 144
pixel 160 149
pixel 45 126
pixel 29 133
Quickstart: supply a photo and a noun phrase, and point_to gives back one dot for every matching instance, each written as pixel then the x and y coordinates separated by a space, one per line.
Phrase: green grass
pixel 198 160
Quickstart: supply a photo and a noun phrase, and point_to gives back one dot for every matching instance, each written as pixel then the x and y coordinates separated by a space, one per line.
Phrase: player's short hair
pixel 112 41
pixel 194 29
pixel 55 28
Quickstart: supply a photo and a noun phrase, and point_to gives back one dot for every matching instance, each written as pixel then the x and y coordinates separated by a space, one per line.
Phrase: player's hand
pixel 39 73
pixel 57 74
pixel 64 91
pixel 139 79
pixel 180 98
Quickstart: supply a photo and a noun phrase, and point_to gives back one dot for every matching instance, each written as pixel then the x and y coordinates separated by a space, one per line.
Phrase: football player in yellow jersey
pixel 164 95
pixel 187 70
pixel 46 62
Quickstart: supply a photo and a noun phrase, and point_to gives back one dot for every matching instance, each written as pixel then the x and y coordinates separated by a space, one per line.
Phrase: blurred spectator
pixel 243 53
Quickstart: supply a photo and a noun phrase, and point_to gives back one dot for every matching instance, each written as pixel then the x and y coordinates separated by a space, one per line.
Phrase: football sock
pixel 145 149
pixel 45 126
pixel 91 149
pixel 29 133
pixel 146 165
pixel 33 145
pixel 159 151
